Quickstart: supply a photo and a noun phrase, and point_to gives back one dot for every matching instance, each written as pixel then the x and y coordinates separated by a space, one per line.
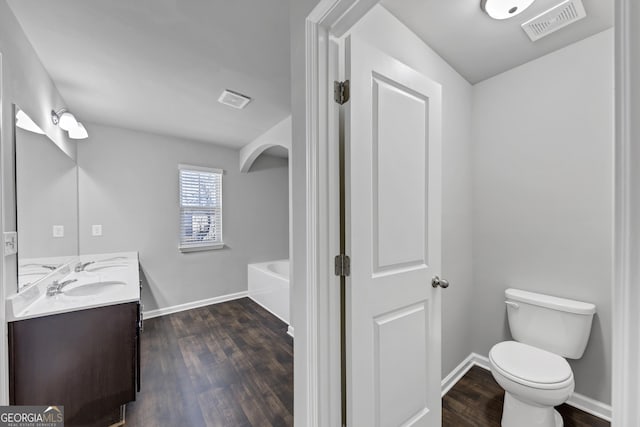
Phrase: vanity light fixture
pixel 79 132
pixel 68 122
pixel 64 119
pixel 24 122
pixel 504 9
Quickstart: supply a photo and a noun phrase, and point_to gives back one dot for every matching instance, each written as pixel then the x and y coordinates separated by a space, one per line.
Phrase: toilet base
pixel 516 413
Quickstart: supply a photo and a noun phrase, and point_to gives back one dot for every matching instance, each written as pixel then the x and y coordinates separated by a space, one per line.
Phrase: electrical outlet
pixel 10 243
pixel 58 231
pixel 96 230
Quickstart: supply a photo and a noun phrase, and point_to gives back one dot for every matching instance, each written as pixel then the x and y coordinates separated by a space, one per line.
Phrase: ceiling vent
pixel 559 16
pixel 234 99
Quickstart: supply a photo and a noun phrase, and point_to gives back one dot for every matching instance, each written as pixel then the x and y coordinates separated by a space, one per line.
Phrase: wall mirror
pixel 47 202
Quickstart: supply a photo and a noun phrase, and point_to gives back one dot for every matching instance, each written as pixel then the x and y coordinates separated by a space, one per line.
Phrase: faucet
pixel 81 266
pixel 56 287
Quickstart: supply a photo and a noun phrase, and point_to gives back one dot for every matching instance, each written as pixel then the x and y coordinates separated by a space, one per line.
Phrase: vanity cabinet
pixel 86 360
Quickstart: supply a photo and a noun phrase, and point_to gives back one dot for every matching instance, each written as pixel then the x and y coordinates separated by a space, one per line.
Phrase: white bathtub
pixel 269 286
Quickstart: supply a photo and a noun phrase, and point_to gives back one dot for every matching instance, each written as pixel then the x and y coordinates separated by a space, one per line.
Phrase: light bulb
pixel 78 132
pixel 503 9
pixel 67 121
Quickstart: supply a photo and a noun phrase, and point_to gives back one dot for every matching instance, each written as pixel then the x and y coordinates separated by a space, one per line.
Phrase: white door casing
pixel 393 187
pixel 626 292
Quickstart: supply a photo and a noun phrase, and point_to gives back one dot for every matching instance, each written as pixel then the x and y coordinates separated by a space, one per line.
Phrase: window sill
pixel 197 248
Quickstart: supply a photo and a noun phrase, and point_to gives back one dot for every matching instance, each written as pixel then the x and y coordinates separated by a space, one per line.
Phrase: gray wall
pixel 47 195
pixel 377 27
pixel 128 183
pixel 543 194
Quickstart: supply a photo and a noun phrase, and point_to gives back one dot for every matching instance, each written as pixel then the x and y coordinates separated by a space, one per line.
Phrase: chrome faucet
pixel 81 266
pixel 56 287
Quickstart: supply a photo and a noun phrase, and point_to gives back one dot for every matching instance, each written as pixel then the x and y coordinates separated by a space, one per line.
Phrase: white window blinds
pixel 200 208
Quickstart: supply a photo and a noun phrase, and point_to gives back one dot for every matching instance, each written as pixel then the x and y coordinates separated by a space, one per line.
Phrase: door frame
pixel 626 280
pixel 320 387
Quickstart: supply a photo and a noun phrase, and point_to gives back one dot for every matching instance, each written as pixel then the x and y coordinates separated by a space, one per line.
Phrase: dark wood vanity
pixel 87 360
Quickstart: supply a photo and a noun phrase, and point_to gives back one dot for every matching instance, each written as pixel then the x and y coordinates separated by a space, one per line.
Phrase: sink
pixel 95 288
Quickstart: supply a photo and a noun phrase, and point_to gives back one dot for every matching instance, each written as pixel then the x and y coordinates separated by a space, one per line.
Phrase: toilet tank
pixel 561 326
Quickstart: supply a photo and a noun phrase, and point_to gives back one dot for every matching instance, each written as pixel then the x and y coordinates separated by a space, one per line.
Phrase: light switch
pixel 58 231
pixel 10 243
pixel 96 230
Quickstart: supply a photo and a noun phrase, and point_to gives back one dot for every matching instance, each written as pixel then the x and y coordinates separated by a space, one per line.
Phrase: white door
pixel 393 145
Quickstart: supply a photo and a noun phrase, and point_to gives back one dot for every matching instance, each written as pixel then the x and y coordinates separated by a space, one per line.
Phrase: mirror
pixel 47 202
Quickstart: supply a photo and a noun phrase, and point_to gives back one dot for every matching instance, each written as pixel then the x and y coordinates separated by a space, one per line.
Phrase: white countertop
pixel 110 279
pixel 31 270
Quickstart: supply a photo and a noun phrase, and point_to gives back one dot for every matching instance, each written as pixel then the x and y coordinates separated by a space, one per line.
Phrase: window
pixel 200 208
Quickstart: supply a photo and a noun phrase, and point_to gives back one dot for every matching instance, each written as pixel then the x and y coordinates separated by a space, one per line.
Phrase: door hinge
pixel 341 91
pixel 343 265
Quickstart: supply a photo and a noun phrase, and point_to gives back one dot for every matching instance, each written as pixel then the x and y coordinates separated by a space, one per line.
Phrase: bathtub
pixel 269 287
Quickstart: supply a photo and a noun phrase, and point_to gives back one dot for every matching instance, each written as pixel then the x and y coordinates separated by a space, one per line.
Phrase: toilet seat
pixel 531 366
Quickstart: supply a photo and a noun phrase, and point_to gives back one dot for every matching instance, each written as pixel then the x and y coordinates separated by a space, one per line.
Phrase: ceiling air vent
pixel 234 99
pixel 552 20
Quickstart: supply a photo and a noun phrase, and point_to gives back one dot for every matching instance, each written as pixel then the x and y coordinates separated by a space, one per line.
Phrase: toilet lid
pixel 529 363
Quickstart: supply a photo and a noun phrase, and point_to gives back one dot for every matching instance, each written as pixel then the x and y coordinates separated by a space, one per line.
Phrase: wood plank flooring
pixel 476 400
pixel 231 365
pixel 224 365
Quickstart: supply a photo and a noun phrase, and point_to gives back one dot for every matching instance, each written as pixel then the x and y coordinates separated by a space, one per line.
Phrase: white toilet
pixel 532 369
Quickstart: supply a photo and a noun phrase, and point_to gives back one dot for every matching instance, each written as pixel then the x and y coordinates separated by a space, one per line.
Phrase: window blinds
pixel 200 207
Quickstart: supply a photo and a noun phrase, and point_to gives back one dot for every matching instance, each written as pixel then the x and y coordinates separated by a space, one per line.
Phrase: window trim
pixel 203 246
pixel 198 248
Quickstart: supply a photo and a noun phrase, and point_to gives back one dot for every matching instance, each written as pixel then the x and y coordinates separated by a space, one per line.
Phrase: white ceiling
pixel 479 47
pixel 160 65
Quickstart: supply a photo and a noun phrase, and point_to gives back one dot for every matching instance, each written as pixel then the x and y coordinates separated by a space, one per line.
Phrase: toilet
pixel 533 369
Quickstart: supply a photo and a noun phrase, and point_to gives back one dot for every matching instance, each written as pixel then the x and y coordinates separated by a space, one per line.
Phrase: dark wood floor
pixel 231 365
pixel 476 400
pixel 224 365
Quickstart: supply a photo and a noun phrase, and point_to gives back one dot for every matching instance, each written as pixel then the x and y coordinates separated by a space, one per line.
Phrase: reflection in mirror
pixel 47 202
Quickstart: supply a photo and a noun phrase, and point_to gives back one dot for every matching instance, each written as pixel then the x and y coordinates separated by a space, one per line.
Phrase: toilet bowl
pixel 534 381
pixel 532 369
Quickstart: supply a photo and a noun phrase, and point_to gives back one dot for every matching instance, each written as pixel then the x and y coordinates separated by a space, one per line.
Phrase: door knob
pixel 436 281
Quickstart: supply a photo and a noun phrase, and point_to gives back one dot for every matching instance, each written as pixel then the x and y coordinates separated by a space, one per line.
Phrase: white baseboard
pixel 267 308
pixel 290 331
pixel 456 375
pixel 481 361
pixel 591 406
pixel 191 305
pixel 577 400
